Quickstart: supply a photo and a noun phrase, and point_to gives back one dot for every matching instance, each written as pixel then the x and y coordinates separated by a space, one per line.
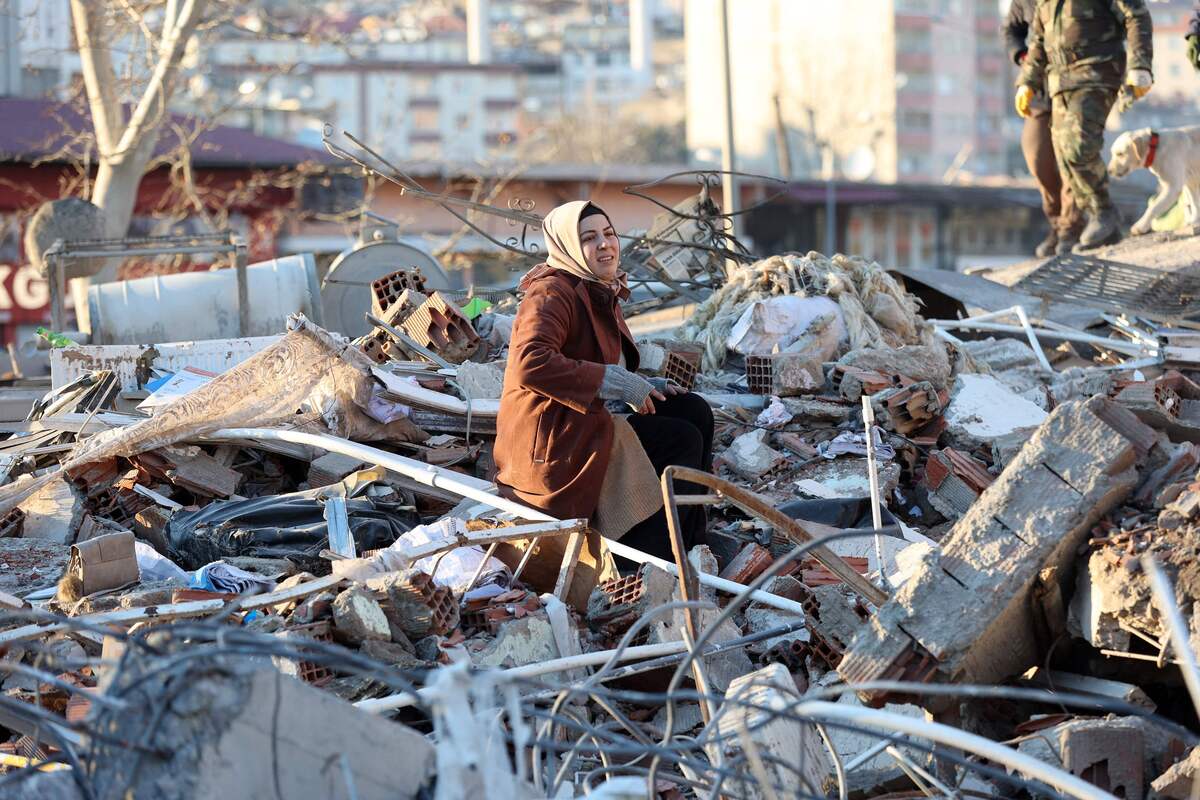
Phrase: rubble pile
pixel 934 563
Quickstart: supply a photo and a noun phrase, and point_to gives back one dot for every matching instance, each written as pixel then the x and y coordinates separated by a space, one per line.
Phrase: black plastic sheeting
pixel 853 512
pixel 290 526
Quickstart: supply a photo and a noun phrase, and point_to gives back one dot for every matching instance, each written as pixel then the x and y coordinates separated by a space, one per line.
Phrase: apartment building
pixel 886 90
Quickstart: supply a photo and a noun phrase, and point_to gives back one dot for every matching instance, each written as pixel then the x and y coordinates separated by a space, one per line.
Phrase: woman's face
pixel 601 248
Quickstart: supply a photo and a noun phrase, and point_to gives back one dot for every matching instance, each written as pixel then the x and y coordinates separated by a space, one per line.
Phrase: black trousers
pixel 679 433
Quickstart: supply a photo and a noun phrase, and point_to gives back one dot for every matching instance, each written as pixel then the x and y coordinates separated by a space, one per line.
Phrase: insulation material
pixel 308 370
pixel 774 324
pixel 876 311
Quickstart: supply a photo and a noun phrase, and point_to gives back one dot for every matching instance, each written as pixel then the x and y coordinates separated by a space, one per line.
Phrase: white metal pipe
pixel 1086 338
pixel 564 664
pixel 992 316
pixel 873 480
pixel 1033 340
pixel 821 711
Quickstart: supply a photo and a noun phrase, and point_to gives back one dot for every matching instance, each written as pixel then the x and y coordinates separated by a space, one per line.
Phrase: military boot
pixel 1048 245
pixel 1066 243
pixel 1103 228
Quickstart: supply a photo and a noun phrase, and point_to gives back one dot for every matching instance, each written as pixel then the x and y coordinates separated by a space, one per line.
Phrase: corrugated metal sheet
pixel 214 355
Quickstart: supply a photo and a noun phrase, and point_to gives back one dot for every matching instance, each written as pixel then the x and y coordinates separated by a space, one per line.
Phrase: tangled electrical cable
pixel 560 729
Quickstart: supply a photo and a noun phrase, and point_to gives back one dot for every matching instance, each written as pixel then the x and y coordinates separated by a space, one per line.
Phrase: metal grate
pixel 1123 288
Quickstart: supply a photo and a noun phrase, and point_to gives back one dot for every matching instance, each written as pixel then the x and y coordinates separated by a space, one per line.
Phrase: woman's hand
pixel 648 406
pixel 666 387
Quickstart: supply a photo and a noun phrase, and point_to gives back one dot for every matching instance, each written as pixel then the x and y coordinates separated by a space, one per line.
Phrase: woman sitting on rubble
pixel 580 434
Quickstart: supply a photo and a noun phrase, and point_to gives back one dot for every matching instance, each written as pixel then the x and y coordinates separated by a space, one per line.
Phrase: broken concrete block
pixel 57 785
pixel 481 381
pixel 833 618
pixel 1176 783
pixel 391 653
pixel 803 766
pixel 53 513
pixel 416 604
pixel 1104 598
pixel 965 614
pixel 848 477
pixel 819 409
pixel 687 718
pixel 662 587
pixel 1105 752
pixel 1001 355
pixel 1080 383
pixel 232 729
pixel 784 374
pixel 761 618
pixel 1006 447
pixel 358 618
pixel 983 409
pixel 954 480
pixel 916 362
pixel 527 640
pixel 750 456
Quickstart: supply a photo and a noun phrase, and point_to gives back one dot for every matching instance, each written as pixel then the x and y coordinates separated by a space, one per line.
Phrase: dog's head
pixel 1129 152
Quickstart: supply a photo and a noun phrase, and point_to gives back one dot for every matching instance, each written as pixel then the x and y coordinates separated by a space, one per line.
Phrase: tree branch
pixel 92 36
pixel 142 124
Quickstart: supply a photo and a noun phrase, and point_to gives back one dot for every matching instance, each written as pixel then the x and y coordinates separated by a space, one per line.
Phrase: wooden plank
pixel 567 571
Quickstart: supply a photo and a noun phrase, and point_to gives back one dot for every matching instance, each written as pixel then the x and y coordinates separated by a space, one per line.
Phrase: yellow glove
pixel 1023 99
pixel 1140 80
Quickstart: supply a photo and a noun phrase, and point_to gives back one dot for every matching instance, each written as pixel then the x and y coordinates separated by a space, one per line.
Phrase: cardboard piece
pixel 105 562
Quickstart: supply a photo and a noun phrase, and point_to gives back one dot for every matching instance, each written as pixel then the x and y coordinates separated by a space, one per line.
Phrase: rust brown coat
pixel 554 435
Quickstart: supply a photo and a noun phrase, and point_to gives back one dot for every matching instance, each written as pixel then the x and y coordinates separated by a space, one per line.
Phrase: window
pixel 420 85
pixel 500 122
pixel 424 151
pixel 914 120
pixel 462 121
pixel 424 119
pixel 913 41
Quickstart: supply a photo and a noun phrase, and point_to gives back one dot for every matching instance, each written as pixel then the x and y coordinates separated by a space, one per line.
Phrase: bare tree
pixel 126 134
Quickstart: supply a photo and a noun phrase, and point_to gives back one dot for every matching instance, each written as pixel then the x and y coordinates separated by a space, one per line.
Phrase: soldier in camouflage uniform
pixel 1037 144
pixel 1077 47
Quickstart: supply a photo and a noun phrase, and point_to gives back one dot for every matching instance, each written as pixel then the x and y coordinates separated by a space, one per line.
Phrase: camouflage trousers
pixel 1077 124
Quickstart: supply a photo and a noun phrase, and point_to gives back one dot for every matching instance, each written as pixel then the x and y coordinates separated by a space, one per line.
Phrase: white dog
pixel 1173 155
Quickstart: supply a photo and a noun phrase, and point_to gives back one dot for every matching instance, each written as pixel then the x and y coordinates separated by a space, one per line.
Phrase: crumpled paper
pixel 851 443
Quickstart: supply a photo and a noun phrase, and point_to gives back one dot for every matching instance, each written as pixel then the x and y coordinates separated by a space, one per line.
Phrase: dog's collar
pixel 1153 151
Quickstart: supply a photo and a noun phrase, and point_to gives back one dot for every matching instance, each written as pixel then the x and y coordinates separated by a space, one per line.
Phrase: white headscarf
pixel 563 248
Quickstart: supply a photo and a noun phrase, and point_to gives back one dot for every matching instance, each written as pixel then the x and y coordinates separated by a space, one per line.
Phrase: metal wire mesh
pixel 1124 288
